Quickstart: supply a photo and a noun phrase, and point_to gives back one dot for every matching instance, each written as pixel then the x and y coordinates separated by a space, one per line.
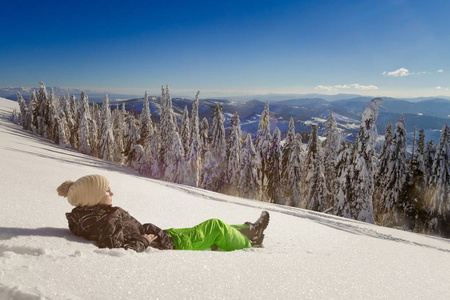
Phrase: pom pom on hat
pixel 63 189
pixel 86 191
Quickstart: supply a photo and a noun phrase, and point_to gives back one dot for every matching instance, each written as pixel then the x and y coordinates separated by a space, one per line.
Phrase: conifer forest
pixel 326 174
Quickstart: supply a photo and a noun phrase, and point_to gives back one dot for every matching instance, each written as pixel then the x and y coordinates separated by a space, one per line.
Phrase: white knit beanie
pixel 86 191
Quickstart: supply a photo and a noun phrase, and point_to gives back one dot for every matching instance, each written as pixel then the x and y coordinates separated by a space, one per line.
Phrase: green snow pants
pixel 209 233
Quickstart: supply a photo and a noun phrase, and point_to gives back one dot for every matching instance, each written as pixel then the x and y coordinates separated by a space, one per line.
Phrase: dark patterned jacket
pixel 113 227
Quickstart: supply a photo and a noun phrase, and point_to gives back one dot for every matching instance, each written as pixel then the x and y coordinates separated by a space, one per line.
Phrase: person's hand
pixel 150 237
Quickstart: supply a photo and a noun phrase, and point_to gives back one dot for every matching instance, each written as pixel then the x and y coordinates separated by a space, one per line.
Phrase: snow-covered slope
pixel 306 254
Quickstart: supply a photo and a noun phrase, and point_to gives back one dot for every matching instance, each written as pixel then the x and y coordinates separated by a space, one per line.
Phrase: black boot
pixel 255 232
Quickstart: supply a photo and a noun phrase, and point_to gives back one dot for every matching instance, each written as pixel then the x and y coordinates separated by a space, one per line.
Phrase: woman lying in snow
pixel 94 218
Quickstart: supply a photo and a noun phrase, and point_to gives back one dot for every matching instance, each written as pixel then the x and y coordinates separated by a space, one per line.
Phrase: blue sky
pixel 380 48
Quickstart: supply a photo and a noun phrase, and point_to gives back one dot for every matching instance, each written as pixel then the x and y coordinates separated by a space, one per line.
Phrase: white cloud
pixel 440 71
pixel 354 86
pixel 405 72
pixel 440 88
pixel 345 86
pixel 399 72
pixel 325 88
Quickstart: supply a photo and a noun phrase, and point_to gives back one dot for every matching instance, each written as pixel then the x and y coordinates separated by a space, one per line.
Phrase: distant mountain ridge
pixel 430 113
pixel 10 93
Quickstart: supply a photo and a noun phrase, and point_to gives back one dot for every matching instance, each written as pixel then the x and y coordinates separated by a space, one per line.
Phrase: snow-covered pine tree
pixel 43 110
pixel 386 150
pixel 439 185
pixel 286 151
pixel 248 182
pixel 195 121
pixel 106 143
pixel 291 166
pixel 168 127
pixel 414 146
pixel 316 195
pixel 331 149
pixel 407 204
pixel 145 120
pixel 234 148
pixel 396 206
pixel 136 159
pixel 131 139
pixel 193 157
pixel 345 173
pixel 208 172
pixel 357 201
pixel 23 108
pixel 84 144
pixel 155 160
pixel 416 185
pixel 62 103
pixel 429 158
pixel 193 162
pixel 381 175
pixel 218 144
pixel 176 167
pixel 204 137
pixel 218 148
pixel 164 127
pixel 66 112
pixel 419 157
pixel 147 162
pixel 53 126
pixel 63 130
pixel 15 116
pixel 170 108
pixel 364 155
pixel 31 107
pixel 74 105
pixel 96 115
pixel 274 187
pixel 262 152
pixel 308 166
pixel 24 121
pixel 185 132
pixel 235 125
pixel 73 121
pixel 119 128
pixel 94 132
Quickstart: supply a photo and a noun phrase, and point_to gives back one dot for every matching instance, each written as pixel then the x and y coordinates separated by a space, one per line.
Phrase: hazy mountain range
pixel 430 115
pixel 423 113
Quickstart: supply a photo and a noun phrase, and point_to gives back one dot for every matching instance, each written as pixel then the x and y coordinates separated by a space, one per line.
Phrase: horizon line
pixel 220 93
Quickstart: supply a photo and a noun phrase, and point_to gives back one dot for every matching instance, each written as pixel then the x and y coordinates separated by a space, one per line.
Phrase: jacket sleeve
pixel 163 242
pixel 138 243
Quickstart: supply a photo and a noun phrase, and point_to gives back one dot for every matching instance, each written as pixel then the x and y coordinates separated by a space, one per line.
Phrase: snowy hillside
pixel 307 255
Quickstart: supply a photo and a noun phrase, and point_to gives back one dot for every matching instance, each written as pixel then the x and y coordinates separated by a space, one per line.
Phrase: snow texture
pixel 307 255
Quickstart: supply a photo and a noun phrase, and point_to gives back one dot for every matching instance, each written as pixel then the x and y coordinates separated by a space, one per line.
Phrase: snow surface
pixel 306 255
